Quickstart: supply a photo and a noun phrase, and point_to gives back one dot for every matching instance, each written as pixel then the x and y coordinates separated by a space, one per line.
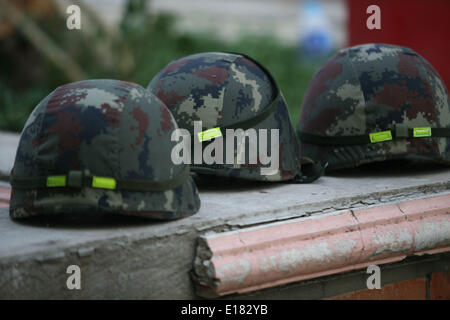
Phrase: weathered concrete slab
pixel 131 258
pixel 124 257
pixel 232 206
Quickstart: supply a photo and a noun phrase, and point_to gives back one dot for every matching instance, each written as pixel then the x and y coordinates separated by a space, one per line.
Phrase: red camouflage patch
pixel 112 115
pixel 128 84
pixel 64 96
pixel 214 74
pixel 166 123
pixel 396 95
pixel 424 146
pixel 142 119
pixel 247 62
pixel 319 85
pixel 407 65
pixel 69 140
pixel 174 66
pixel 170 98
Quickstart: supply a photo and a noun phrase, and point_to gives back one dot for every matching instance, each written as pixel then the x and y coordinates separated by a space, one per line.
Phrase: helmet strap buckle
pixel 75 179
pixel 401 131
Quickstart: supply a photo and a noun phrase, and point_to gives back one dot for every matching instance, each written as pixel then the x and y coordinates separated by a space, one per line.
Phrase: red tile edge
pixel 414 289
pixel 280 253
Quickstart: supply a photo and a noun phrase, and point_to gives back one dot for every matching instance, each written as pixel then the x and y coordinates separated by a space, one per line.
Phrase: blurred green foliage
pixel 152 43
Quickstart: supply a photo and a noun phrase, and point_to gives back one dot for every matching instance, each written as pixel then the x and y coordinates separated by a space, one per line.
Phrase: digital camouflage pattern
pixel 372 88
pixel 222 89
pixel 105 128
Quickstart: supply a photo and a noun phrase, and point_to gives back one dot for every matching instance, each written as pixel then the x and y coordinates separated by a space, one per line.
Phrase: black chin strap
pixel 397 132
pixel 311 171
pixel 77 179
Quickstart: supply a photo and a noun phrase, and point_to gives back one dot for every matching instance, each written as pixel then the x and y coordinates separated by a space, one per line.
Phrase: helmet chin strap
pixel 77 180
pixel 398 131
pixel 311 171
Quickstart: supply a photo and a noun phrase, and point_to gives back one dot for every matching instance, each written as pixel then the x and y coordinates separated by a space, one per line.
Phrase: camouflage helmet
pixel 375 102
pixel 231 91
pixel 100 146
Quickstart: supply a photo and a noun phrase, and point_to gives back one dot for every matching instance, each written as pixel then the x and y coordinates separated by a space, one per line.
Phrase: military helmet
pixel 100 146
pixel 375 102
pixel 230 91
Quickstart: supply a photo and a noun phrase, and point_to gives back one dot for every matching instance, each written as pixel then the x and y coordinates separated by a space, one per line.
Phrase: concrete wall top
pixel 109 246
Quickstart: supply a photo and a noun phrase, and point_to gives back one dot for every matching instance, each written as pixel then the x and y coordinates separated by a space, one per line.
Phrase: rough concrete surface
pixel 124 257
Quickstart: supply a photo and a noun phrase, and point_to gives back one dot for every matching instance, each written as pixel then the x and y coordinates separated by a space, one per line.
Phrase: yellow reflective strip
pixel 380 136
pixel 56 181
pixel 422 132
pixel 104 183
pixel 209 134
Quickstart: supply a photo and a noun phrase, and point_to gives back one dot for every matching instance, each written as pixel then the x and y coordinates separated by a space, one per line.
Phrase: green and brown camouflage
pixel 100 129
pixel 229 90
pixel 374 88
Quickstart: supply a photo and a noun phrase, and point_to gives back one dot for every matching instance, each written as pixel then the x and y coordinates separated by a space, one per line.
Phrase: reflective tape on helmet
pixel 104 182
pixel 80 180
pixel 399 133
pixel 56 181
pixel 209 134
pixel 422 132
pixel 380 136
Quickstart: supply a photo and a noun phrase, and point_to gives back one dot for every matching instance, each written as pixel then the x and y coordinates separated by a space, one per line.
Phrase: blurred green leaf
pixel 152 45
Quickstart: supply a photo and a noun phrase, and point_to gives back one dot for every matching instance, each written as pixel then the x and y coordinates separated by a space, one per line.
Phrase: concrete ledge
pixel 279 253
pixel 125 257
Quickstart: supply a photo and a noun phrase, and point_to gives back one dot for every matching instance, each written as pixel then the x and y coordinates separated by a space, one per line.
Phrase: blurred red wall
pixel 422 25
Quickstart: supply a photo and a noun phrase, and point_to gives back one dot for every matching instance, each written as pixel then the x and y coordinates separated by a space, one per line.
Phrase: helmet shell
pixel 222 90
pixel 104 128
pixel 372 88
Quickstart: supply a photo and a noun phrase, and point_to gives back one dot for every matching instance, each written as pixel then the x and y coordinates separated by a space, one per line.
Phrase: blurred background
pixel 132 40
